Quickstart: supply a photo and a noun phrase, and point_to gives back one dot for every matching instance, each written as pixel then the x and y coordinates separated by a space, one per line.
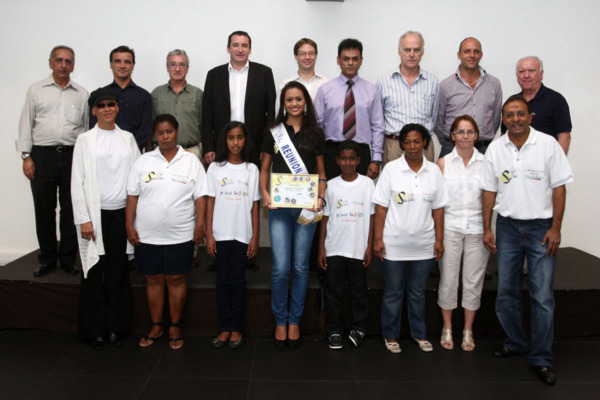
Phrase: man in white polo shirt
pixel 523 179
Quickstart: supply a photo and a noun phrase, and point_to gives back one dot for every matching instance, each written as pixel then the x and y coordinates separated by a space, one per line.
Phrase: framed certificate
pixel 294 191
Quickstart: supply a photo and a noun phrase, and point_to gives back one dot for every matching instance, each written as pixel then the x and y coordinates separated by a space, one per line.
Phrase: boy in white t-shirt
pixel 346 244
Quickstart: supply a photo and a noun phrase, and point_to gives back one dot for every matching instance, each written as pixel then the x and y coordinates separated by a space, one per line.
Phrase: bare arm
pixel 564 139
pixel 200 215
pixel 253 245
pixel 322 258
pixel 322 181
pixel 368 258
pixel 130 209
pixel 263 179
pixel 487 206
pixel 438 224
pixel 211 244
pixel 378 246
pixel 552 237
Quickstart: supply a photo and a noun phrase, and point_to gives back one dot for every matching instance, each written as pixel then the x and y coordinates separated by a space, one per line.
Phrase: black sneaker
pixel 356 337
pixel 335 341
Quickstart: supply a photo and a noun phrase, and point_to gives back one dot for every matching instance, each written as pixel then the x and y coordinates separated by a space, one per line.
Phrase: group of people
pixel 158 205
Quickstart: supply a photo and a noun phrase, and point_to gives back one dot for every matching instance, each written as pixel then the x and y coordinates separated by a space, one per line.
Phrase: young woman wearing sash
pixel 291 229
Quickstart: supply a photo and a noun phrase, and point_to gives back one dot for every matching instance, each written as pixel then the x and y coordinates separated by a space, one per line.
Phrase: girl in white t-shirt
pixel 232 226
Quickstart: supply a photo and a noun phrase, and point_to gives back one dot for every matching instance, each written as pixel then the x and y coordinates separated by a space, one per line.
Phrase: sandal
pixel 468 343
pixel 394 347
pixel 425 345
pixel 175 343
pixel 446 341
pixel 151 339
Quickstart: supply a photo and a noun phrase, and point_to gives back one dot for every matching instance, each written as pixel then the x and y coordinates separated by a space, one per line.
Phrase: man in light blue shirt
pixel 409 94
pixel 330 106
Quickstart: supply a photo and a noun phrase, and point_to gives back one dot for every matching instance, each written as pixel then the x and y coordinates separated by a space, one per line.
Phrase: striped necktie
pixel 349 113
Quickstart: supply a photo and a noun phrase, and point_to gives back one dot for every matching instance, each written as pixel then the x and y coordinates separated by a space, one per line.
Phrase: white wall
pixel 564 34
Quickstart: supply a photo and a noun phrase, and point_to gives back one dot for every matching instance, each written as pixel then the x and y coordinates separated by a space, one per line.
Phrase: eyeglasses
pixel 310 54
pixel 102 105
pixel 175 65
pixel 462 133
pixel 519 114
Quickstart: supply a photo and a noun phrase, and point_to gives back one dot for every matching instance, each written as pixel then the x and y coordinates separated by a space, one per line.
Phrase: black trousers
pixel 105 295
pixel 332 169
pixel 334 284
pixel 52 173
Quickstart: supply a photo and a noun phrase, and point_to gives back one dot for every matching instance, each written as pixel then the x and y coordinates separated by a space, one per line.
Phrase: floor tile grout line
pixel 147 381
pixel 251 369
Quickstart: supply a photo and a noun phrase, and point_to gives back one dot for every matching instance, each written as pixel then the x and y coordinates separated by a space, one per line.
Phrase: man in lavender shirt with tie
pixel 349 107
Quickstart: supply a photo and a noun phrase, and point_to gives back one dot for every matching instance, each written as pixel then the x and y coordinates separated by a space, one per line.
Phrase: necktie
pixel 349 113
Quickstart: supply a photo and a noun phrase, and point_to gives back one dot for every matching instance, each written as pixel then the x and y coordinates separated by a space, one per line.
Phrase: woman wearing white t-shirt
pixel 463 231
pixel 164 219
pixel 408 234
pixel 101 162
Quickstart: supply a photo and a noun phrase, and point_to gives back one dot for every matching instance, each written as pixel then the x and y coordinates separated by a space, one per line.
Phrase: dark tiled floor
pixel 45 365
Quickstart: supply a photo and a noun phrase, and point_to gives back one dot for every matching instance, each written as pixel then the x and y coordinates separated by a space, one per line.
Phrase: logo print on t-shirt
pixel 224 181
pixel 149 176
pixel 505 176
pixel 401 198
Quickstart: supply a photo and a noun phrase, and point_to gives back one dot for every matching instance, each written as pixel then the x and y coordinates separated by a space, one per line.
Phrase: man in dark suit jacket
pixel 237 91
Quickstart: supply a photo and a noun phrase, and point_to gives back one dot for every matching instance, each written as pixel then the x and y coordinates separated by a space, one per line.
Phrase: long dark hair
pixel 222 150
pixel 312 133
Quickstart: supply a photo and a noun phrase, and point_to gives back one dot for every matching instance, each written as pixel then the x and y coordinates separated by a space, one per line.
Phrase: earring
pixel 305 109
pixel 284 112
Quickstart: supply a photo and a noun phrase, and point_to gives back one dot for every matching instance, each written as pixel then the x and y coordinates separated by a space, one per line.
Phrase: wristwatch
pixel 25 156
pixel 378 163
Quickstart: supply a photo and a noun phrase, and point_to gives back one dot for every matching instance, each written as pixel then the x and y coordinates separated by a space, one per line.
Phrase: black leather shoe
pixel 504 352
pixel 545 373
pixel 98 343
pixel 44 269
pixel 294 344
pixel 280 344
pixel 69 269
pixel 114 339
pixel 235 344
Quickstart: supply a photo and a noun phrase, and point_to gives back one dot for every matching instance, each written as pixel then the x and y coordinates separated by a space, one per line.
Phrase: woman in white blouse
pixel 101 162
pixel 408 234
pixel 463 231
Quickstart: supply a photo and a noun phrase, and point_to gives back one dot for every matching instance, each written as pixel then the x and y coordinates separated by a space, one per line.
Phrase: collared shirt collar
pixel 404 167
pixel 50 81
pixel 531 139
pixel 130 84
pixel 398 71
pixel 315 76
pixel 171 87
pixel 343 79
pixel 230 66
pixel 481 74
pixel 476 156
pixel 181 152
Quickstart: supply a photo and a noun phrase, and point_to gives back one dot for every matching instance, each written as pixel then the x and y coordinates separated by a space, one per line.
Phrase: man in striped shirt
pixel 409 94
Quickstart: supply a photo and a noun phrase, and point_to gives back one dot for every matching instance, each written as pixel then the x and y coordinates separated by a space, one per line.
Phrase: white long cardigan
pixel 85 193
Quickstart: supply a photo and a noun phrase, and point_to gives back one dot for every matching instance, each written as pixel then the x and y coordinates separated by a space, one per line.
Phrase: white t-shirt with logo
pixel 235 189
pixel 167 193
pixel 524 179
pixel 349 209
pixel 409 232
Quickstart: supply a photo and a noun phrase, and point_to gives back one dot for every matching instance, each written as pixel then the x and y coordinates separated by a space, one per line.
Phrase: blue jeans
pixel 400 277
pixel 290 243
pixel 517 239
